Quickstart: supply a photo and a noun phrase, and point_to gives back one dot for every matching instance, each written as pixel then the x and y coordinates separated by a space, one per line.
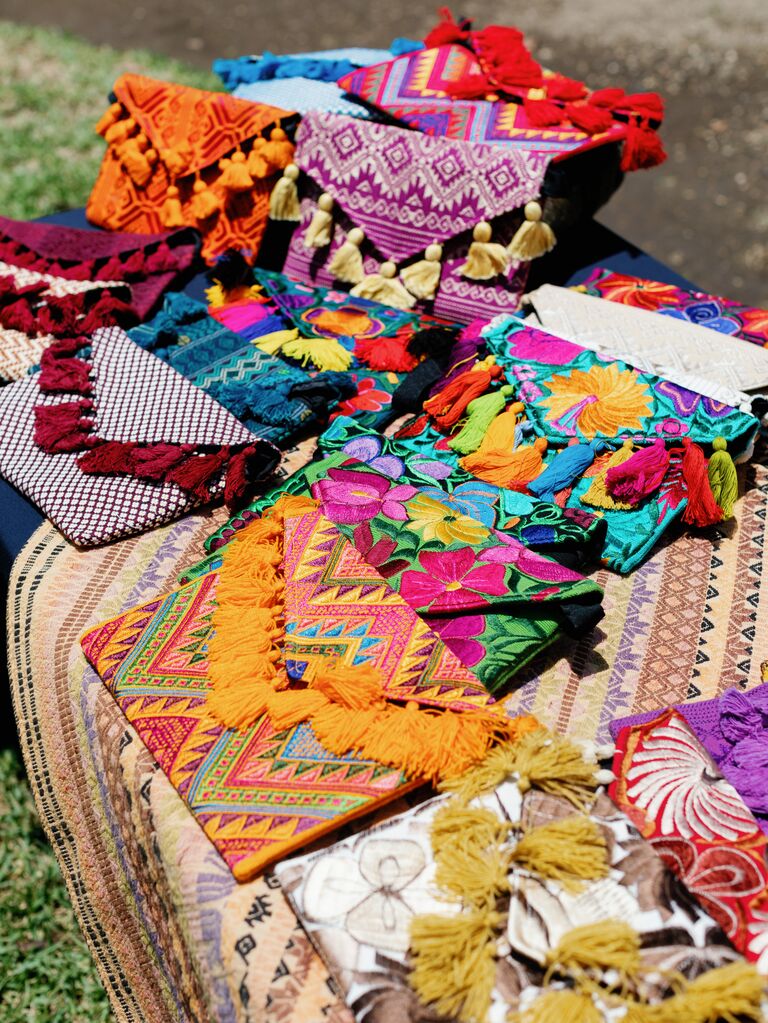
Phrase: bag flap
pixel 412 88
pixel 406 189
pixel 210 124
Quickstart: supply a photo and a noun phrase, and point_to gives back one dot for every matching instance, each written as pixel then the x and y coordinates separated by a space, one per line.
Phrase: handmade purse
pixel 57 281
pixel 181 156
pixel 300 81
pixel 114 442
pixel 484 86
pixel 721 314
pixel 407 219
pixel 698 822
pixel 719 366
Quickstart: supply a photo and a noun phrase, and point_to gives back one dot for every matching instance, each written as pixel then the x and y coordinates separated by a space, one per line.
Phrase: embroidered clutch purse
pixel 181 156
pixel 406 219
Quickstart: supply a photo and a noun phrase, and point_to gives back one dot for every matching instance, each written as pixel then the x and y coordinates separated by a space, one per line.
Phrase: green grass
pixel 53 89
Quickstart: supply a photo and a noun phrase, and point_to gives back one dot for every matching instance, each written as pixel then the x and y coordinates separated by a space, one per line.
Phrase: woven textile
pixel 412 89
pixel 699 825
pixel 718 366
pixel 138 399
pixel 721 314
pixel 197 129
pixel 175 938
pixel 357 900
pixel 258 794
pixel 494 603
pixel 337 604
pixel 406 191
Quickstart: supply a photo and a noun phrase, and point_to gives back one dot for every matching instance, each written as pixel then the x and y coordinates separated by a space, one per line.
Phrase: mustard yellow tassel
pixel 597 495
pixel 273 343
pixel 727 994
pixel 422 278
pixel 564 1006
pixel 456 826
pixel 570 851
pixel 534 237
pixel 600 947
pixel 485 259
pixel 325 353
pixel 347 262
pixel 474 875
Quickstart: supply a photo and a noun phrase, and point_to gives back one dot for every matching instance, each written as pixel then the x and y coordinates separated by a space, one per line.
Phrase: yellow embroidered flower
pixel 435 521
pixel 602 399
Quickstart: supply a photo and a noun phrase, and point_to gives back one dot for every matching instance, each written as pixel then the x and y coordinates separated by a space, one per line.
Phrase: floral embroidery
pixel 350 496
pixel 368 399
pixel 602 399
pixel 512 552
pixel 475 499
pixel 368 450
pixel 434 521
pixel 633 291
pixel 671 428
pixel 451 580
pixel 704 314
pixel 460 636
pixel 686 402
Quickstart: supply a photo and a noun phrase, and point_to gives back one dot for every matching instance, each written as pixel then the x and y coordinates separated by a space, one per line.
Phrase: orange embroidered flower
pixel 602 399
pixel 637 292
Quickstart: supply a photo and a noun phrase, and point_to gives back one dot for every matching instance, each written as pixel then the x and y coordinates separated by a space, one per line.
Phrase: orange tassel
pixel 170 212
pixel 447 406
pixel 119 131
pixel 279 151
pixel 204 201
pixel 235 176
pixel 111 116
pixel 258 164
pixel 176 160
pixel 497 461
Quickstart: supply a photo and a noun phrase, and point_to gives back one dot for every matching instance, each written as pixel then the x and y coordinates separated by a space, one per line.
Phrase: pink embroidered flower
pixel 531 345
pixel 529 391
pixel 671 428
pixel 459 634
pixel 350 496
pixel 377 553
pixel 512 552
pixel 451 579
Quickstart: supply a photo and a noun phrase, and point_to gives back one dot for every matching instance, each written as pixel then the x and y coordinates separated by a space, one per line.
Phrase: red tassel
pixel 246 467
pixel 59 316
pixel 62 427
pixel 640 476
pixel 642 148
pixel 564 88
pixel 63 374
pixel 413 429
pixel 113 457
pixel 446 407
pixel 134 266
pixel 606 98
pixel 64 346
pixel 112 270
pixel 474 86
pixel 161 261
pixel 154 461
pixel 196 472
pixel 702 508
pixel 591 120
pixel 107 312
pixel 543 114
pixel 18 316
pixel 385 353
pixel 647 104
pixel 521 73
pixel 445 31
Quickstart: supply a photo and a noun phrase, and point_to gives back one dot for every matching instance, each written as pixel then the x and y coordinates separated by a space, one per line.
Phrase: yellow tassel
pixel 498 463
pixel 258 164
pixel 727 994
pixel 355 687
pixel 218 296
pixel 319 232
pixel 570 851
pixel 347 262
pixel 538 759
pixel 289 707
pixel 205 203
pixel 170 211
pixel 279 150
pixel 284 200
pixel 235 176
pixel 422 278
pixel 384 287
pixel 474 874
pixel 597 495
pixel 456 826
pixel 454 962
pixel 607 945
pixel 485 259
pixel 111 116
pixel 533 238
pixel 564 1006
pixel 273 343
pixel 325 353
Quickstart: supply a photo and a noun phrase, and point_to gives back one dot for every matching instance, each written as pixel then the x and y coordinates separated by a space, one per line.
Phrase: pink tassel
pixel 63 374
pixel 110 458
pixel 702 508
pixel 134 266
pixel 18 316
pixel 197 471
pixel 60 428
pixel 640 476
pixel 162 260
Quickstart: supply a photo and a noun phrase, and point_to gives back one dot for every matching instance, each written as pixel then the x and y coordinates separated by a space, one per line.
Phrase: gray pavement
pixel 705 212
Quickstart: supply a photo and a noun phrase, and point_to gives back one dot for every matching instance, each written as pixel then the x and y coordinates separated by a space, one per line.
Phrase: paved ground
pixel 705 211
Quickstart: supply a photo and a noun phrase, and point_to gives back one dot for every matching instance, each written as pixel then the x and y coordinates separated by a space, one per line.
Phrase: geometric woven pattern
pixel 337 604
pixel 412 89
pixel 257 794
